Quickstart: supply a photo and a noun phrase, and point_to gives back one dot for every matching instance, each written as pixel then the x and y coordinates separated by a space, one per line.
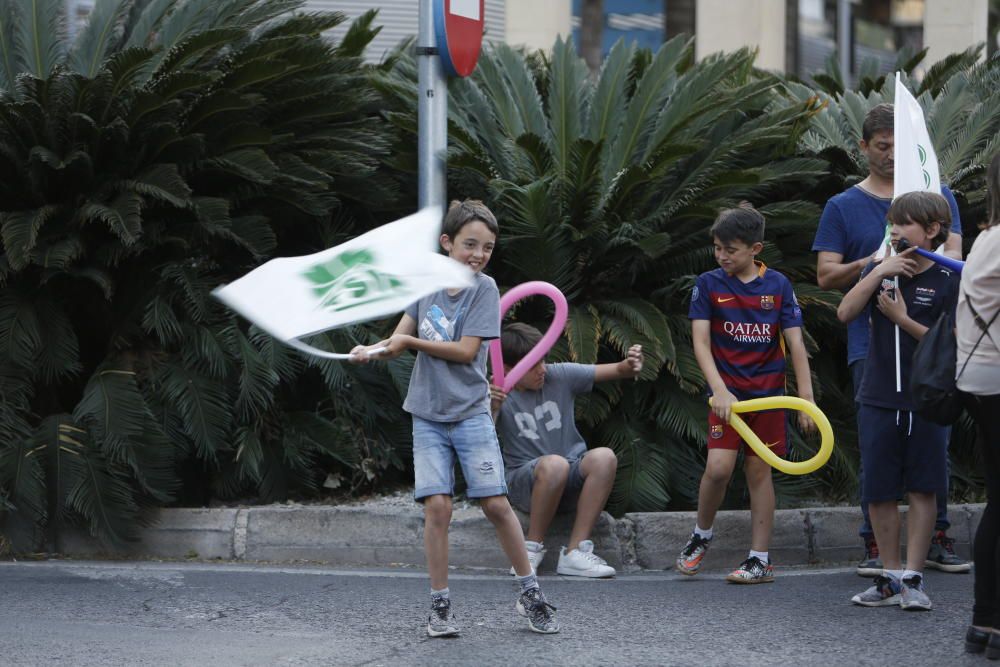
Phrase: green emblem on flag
pixel 922 154
pixel 350 280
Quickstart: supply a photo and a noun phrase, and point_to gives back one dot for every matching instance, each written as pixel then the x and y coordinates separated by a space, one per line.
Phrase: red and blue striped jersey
pixel 747 321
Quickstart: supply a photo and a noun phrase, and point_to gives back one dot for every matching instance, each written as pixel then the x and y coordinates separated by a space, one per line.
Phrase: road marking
pixel 135 568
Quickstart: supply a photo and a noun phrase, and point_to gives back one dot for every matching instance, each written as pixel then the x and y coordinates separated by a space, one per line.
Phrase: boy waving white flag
pixel 371 276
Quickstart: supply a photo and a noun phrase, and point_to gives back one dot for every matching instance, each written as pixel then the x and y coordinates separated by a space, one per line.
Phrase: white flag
pixel 916 164
pixel 368 277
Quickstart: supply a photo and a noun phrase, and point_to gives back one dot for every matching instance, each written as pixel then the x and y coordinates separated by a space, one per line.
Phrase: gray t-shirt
pixel 537 423
pixel 446 391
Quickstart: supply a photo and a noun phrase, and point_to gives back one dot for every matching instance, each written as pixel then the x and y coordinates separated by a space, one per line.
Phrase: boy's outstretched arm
pixel 629 367
pixel 407 327
pixel 722 398
pixel 803 378
pixel 462 351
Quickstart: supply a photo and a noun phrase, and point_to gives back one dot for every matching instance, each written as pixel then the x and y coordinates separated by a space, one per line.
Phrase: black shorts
pixel 900 452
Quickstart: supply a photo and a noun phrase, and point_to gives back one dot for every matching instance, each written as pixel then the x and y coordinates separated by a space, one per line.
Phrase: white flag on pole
pixel 916 164
pixel 368 277
pixel 915 167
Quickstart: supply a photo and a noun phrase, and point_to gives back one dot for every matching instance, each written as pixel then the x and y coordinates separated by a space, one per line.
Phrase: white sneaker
pixel 583 562
pixel 536 552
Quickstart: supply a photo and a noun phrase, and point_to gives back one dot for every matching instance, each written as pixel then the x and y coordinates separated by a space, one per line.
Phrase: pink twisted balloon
pixel 515 294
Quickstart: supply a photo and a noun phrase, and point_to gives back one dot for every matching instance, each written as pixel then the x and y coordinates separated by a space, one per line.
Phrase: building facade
pixel 795 36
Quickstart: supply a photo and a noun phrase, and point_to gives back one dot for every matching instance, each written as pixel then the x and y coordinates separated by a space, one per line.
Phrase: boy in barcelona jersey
pixel 743 317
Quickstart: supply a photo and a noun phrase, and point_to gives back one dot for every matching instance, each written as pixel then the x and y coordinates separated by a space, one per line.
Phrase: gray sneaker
pixel 941 555
pixel 532 605
pixel 441 623
pixel 885 593
pixel 913 597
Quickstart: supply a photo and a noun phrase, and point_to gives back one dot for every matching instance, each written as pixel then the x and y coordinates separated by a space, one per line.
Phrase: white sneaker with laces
pixel 583 562
pixel 536 552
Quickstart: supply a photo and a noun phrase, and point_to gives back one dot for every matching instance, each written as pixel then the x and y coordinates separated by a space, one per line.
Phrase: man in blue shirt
pixel 850 233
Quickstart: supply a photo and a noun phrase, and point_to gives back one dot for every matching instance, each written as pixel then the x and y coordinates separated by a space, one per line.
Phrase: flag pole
pixel 899 379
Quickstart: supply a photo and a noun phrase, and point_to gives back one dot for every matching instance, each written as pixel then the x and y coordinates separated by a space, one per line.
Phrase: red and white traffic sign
pixel 459 26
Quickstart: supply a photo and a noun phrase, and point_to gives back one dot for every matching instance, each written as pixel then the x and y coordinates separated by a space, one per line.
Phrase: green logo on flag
pixel 922 154
pixel 350 280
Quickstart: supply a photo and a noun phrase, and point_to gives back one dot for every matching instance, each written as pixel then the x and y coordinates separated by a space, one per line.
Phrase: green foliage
pixel 169 149
pixel 174 146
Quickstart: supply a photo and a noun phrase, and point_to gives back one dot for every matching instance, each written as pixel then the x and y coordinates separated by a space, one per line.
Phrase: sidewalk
pixel 385 536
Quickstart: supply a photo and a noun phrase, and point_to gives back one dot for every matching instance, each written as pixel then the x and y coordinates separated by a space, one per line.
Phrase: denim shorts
pixel 472 441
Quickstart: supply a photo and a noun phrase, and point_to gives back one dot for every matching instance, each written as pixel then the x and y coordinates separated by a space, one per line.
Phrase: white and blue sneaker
pixel 885 593
pixel 912 597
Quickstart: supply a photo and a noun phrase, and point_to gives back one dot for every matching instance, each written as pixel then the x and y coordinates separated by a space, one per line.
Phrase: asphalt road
pixel 143 613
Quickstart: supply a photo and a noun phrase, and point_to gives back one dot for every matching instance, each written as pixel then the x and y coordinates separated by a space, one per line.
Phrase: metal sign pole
pixel 432 114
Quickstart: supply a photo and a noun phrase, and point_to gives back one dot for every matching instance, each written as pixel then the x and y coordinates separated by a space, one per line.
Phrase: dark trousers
pixel 986 609
pixel 866 532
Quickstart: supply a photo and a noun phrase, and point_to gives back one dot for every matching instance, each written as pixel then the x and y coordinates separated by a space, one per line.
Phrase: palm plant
pixel 170 148
pixel 606 188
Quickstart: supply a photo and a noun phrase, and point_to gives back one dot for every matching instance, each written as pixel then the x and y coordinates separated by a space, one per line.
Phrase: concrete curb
pixel 393 536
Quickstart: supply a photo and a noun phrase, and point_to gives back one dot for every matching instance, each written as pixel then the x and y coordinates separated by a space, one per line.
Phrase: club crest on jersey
pixel 717 431
pixel 767 302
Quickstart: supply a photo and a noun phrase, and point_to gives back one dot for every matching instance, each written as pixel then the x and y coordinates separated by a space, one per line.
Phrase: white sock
pixel 528 582
pixel 760 554
pixel 910 573
pixel 704 533
pixel 443 593
pixel 533 546
pixel 895 575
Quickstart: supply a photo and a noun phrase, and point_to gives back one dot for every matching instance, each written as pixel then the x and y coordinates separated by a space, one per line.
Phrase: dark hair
pixel 744 223
pixel 461 213
pixel 993 192
pixel 517 340
pixel 923 208
pixel 878 119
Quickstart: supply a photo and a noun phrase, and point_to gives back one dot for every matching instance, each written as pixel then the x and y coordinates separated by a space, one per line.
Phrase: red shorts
pixel 769 427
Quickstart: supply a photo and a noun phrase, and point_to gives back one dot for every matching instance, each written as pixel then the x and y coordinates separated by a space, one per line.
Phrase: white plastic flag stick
pixel 915 165
pixel 899 378
pixel 374 275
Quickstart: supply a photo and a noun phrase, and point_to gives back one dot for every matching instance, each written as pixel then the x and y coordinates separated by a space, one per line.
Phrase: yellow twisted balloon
pixel 769 457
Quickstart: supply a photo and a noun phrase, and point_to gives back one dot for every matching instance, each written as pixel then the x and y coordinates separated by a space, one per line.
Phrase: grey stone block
pixel 659 537
pixel 176 533
pixel 340 535
pixel 834 533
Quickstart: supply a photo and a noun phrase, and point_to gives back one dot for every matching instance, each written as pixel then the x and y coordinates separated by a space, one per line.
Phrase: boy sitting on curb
pixel 548 466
